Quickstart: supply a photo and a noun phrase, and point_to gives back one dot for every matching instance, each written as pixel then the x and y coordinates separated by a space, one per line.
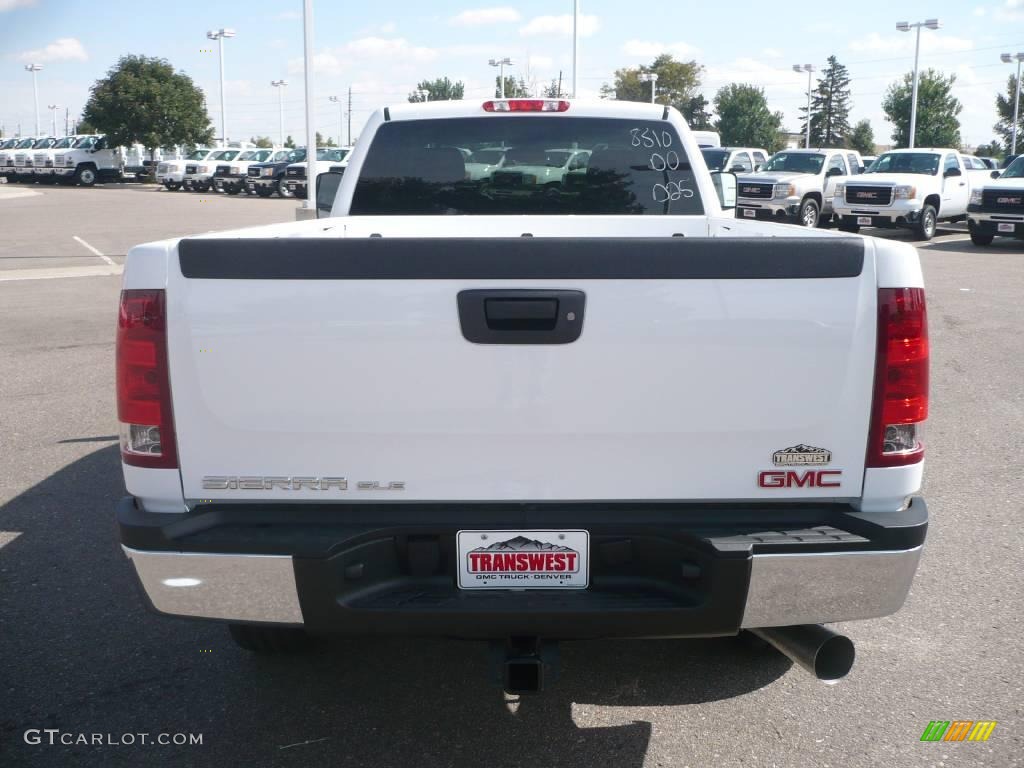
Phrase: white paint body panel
pixel 676 389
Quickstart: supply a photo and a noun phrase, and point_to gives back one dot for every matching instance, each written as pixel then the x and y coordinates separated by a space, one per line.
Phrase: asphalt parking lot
pixel 79 653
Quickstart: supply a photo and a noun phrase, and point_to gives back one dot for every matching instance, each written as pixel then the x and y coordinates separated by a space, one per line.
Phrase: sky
pixel 381 50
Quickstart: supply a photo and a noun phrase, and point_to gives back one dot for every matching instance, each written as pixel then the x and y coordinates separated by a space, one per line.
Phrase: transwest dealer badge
pixel 801 456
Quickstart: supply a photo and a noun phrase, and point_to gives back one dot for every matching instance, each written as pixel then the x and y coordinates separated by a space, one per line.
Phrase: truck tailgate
pixel 703 369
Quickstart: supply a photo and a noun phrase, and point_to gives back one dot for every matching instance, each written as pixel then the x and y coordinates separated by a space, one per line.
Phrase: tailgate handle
pixel 521 316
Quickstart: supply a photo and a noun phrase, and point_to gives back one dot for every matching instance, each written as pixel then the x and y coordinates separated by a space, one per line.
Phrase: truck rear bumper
pixel 656 570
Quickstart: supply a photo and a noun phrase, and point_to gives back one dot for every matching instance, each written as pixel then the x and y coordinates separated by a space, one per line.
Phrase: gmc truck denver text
pixel 490 409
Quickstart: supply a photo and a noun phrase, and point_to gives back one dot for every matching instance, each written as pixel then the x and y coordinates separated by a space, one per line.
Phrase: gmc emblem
pixel 1008 200
pixel 867 195
pixel 811 478
pixel 750 190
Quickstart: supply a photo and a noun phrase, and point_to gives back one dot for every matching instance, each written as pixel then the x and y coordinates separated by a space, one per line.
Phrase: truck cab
pixel 909 188
pixel 996 207
pixel 7 148
pixel 230 176
pixel 327 159
pixel 89 161
pixel 734 159
pixel 264 179
pixel 527 167
pixel 795 186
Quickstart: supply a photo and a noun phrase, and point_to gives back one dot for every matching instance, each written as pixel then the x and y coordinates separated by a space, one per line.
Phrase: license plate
pixel 291 186
pixel 863 221
pixel 1005 227
pixel 523 559
pixel 749 213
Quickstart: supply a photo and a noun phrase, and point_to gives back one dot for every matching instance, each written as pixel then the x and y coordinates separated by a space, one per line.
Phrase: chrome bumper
pixel 258 588
pixel 784 589
pixel 823 587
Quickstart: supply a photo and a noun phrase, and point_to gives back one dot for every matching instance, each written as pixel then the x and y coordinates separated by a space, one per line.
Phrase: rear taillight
pixel 901 379
pixel 143 384
pixel 526 105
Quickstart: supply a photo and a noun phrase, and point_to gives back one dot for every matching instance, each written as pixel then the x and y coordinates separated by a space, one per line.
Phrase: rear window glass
pixel 552 165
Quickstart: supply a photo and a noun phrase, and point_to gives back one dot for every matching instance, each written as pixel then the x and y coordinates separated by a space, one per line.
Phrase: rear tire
pixel 261 639
pixel 979 238
pixel 809 214
pixel 926 226
pixel 173 186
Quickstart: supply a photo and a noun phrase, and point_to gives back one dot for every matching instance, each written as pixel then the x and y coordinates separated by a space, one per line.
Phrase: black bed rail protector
pixel 521 258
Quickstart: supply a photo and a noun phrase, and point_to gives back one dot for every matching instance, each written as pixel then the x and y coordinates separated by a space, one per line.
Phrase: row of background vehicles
pixel 904 188
pixel 258 171
pixel 84 159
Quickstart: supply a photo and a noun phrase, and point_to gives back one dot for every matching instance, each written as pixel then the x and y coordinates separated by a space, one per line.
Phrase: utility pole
pixel 67 120
pixel 559 83
pixel 219 36
pixel 280 85
pixel 906 27
pixel 350 116
pixel 809 69
pixel 33 68
pixel 575 43
pixel 307 41
pixel 1007 58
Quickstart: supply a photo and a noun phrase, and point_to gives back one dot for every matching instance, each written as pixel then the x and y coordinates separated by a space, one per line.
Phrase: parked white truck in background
pixel 199 174
pixel 91 160
pixel 171 173
pixel 525 418
pixel 912 188
pixel 24 168
pixel 796 185
pixel 44 161
pixel 996 208
pixel 734 159
pixel 230 177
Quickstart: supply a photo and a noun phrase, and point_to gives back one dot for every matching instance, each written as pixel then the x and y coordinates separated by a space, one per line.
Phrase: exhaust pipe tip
pixel 827 655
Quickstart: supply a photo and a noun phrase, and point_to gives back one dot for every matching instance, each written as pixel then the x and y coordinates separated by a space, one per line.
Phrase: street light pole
pixel 1007 58
pixel 652 78
pixel 575 43
pixel 903 26
pixel 809 69
pixel 280 85
pixel 33 68
pixel 500 64
pixel 307 40
pixel 53 118
pixel 341 117
pixel 219 36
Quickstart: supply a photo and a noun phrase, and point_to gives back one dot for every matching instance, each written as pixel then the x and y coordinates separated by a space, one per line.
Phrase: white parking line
pixel 107 259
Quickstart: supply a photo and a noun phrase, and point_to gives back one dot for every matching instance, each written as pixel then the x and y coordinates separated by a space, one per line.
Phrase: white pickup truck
pixel 996 208
pixel 295 175
pixel 616 411
pixel 796 185
pixel 913 188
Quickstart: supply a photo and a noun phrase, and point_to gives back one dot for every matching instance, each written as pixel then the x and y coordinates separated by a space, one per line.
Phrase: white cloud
pixel 979 11
pixel 1011 10
pixel 559 25
pixel 278 44
pixel 324 63
pixel 391 47
pixel 648 49
pixel 477 17
pixel 541 62
pixel 772 53
pixel 60 50
pixel 10 5
pixel 903 43
pixel 482 50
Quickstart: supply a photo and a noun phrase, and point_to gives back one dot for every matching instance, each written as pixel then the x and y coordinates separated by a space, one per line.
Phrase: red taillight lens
pixel 143 384
pixel 901 379
pixel 526 105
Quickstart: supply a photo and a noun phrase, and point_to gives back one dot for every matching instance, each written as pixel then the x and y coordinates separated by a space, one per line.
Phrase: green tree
pixel 830 107
pixel 696 112
pixel 263 142
pixel 994 149
pixel 552 90
pixel 439 89
pixel 289 142
pixel 677 85
pixel 744 119
pixel 1004 106
pixel 514 89
pixel 85 127
pixel 862 138
pixel 937 110
pixel 143 100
